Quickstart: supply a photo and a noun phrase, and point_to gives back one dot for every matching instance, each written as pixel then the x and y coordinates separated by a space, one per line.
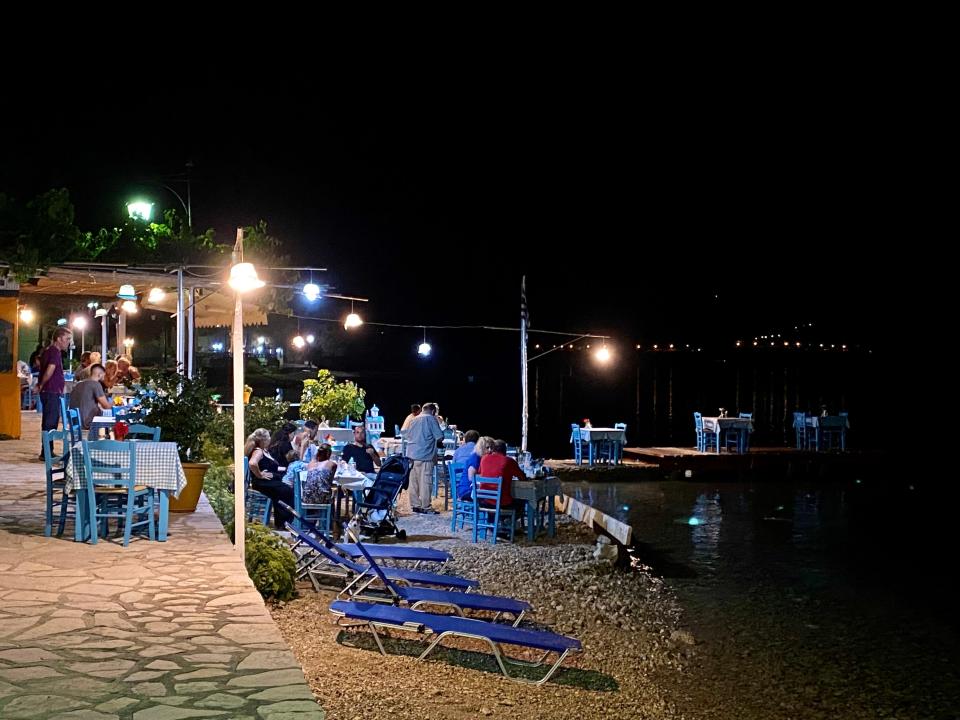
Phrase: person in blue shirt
pixel 465 484
pixel 462 453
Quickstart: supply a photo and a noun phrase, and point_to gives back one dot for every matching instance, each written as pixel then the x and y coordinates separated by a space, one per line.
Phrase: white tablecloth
pixel 595 434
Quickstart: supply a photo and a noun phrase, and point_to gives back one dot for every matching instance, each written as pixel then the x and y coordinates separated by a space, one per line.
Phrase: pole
pixel 523 367
pixel 239 502
pixel 189 205
pixel 181 367
pixel 104 331
pixel 190 321
pixel 121 331
pixel 83 340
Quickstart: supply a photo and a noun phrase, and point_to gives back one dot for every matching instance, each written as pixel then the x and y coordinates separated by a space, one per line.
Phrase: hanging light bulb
pixel 602 354
pixel 129 306
pixel 243 277
pixel 156 295
pixel 311 291
pixel 310 339
pixel 299 342
pixel 424 349
pixel 353 320
pixel 26 315
pixel 79 322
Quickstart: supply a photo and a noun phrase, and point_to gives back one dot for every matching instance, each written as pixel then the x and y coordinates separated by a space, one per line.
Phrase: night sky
pixel 673 201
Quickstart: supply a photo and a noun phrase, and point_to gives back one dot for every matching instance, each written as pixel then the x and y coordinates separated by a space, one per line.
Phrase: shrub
pixel 326 398
pixel 217 484
pixel 217 440
pixel 270 563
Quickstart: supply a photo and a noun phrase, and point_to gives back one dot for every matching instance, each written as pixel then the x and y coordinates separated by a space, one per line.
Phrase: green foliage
pixel 263 249
pixel 34 235
pixel 181 407
pixel 217 439
pixel 270 563
pixel 216 486
pixel 326 398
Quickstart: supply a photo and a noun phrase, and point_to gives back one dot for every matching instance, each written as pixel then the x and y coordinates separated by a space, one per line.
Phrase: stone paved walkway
pixel 155 631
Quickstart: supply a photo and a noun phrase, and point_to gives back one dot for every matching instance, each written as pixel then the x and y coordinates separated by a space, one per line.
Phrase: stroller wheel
pixel 401 534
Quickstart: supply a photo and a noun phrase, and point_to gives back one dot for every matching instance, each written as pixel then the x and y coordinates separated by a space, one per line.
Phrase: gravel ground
pixel 628 623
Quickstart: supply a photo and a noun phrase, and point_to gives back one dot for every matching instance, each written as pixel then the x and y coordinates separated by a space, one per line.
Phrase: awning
pixel 214 308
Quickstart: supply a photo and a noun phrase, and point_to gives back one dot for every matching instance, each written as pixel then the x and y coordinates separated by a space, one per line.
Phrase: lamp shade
pixel 100 312
pixel 127 293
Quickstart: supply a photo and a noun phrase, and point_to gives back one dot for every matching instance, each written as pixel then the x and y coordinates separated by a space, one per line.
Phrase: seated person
pixel 110 374
pixel 265 475
pixel 318 486
pixel 281 444
pixel 497 464
pixel 88 397
pixel 93 358
pixel 462 453
pixel 465 482
pixel 361 452
pixel 127 374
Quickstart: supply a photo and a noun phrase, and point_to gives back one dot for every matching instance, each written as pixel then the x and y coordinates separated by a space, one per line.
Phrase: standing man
pixel 51 384
pixel 421 437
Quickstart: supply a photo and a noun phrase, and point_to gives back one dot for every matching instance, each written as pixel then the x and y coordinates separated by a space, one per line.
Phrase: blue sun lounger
pixel 405 553
pixel 362 576
pixel 418 596
pixel 494 634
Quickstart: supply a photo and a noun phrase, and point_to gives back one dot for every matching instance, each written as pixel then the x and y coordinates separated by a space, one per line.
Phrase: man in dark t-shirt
pixel 51 384
pixel 362 453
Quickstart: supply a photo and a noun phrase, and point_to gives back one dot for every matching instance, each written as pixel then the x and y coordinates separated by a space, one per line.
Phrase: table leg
pixel 531 520
pixel 164 515
pixel 551 509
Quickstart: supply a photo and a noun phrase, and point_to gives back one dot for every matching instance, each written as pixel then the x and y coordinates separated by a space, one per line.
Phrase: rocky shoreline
pixel 629 623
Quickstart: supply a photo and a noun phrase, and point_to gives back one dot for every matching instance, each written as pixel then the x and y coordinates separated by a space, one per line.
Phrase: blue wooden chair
pixel 705 440
pixel 578 443
pixel 55 467
pixel 482 514
pixel 800 428
pixel 27 397
pixel 257 504
pixel 73 426
pixel 320 514
pixel 611 449
pixel 143 432
pixel 106 474
pixel 462 509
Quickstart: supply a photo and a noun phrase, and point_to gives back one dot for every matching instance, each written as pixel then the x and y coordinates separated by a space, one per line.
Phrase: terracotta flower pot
pixel 190 495
pixel 246 396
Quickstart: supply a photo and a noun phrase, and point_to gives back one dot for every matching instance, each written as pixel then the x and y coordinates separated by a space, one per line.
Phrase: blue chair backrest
pixel 455 470
pixel 799 420
pixel 73 425
pixel 620 426
pixel 396 430
pixel 109 470
pixel 64 414
pixel 698 420
pixel 51 460
pixel 144 432
pixel 576 433
pixel 747 416
pixel 488 493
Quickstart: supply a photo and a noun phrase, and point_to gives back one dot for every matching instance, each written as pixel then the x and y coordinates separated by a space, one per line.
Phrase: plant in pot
pixel 327 398
pixel 182 408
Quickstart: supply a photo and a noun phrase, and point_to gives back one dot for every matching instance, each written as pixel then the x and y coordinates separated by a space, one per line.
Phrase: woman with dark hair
pixel 265 475
pixel 318 487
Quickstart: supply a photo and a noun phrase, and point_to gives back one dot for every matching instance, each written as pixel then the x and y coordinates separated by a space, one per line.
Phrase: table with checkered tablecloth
pixel 158 467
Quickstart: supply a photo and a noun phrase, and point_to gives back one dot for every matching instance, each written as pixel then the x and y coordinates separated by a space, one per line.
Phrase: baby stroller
pixel 375 516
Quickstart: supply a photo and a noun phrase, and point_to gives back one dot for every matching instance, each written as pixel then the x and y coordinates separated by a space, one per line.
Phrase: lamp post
pixel 243 278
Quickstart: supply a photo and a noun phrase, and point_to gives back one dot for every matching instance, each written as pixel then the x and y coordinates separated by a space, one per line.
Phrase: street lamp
pixel 243 278
pixel 80 323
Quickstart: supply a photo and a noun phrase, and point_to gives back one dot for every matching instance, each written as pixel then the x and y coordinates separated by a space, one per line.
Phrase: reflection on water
pixel 849 576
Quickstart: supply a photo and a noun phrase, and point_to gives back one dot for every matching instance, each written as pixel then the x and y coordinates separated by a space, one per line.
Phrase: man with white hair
pixel 421 438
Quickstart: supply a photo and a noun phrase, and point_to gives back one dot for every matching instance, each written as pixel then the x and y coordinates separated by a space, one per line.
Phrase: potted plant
pixel 327 398
pixel 182 408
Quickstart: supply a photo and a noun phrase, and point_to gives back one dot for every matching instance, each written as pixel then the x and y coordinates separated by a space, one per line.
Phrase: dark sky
pixel 664 201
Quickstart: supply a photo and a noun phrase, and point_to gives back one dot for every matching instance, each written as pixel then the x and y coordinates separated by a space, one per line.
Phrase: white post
pixel 104 332
pixel 523 369
pixel 121 331
pixel 191 295
pixel 239 506
pixel 181 366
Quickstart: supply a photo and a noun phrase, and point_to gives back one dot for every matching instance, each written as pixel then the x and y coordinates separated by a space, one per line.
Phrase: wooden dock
pixel 655 462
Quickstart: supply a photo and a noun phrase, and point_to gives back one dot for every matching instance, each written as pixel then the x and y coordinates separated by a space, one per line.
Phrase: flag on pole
pixel 524 313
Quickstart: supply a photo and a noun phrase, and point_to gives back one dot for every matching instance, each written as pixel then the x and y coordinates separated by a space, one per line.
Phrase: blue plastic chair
pixel 117 479
pixel 482 513
pixel 257 504
pixel 578 443
pixel 462 509
pixel 55 467
pixel 800 428
pixel 73 425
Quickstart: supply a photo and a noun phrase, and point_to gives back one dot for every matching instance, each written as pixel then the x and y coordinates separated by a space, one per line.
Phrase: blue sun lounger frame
pixel 415 597
pixel 388 617
pixel 362 576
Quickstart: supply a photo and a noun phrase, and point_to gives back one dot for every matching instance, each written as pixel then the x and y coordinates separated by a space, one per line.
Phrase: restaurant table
pixel 595 436
pixel 533 492
pixel 718 425
pixel 158 467
pixel 825 427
